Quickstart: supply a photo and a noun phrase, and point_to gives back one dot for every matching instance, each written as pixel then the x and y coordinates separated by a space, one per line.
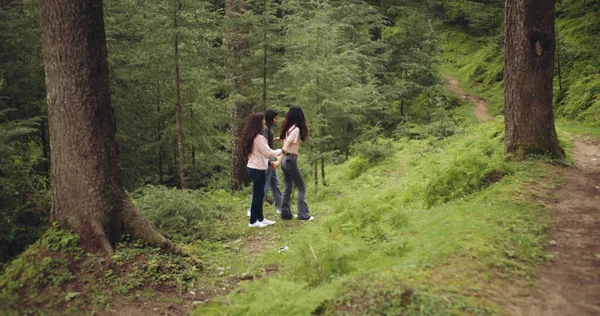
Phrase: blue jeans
pixel 258 193
pixel 292 175
pixel 272 182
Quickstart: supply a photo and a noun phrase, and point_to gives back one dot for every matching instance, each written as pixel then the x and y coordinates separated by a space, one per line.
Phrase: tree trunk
pixel 159 138
pixel 560 86
pixel 529 45
pixel 87 184
pixel 323 172
pixel 178 119
pixel 194 173
pixel 266 23
pixel 316 173
pixel 322 151
pixel 238 49
pixel 44 138
pixel 348 139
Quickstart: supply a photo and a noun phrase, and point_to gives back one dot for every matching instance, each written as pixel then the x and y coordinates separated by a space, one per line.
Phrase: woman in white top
pixel 293 130
pixel 255 147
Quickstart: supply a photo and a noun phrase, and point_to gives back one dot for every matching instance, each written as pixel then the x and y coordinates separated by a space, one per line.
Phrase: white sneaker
pixel 278 211
pixel 312 218
pixel 267 222
pixel 248 212
pixel 258 224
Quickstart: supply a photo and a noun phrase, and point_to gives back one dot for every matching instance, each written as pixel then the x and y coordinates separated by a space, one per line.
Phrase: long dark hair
pixel 270 115
pixel 251 129
pixel 294 116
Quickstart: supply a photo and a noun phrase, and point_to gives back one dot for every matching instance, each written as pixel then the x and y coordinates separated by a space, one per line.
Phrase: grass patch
pixel 408 235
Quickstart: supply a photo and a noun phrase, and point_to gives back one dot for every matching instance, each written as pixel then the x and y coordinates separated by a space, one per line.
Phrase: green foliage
pixel 479 62
pixel 24 195
pixel 477 55
pixel 371 147
pixel 476 17
pixel 187 215
pixel 45 264
pixel 24 198
pixel 356 166
pixel 582 100
pixel 45 275
pixel 141 57
pixel 471 167
pixel 385 253
pixel 140 266
pixel 274 297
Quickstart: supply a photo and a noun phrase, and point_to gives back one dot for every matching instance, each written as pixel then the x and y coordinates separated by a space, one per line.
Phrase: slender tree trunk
pixel 238 50
pixel 316 173
pixel 159 138
pixel 194 171
pixel 45 154
pixel 323 171
pixel 348 131
pixel 266 22
pixel 560 86
pixel 529 46
pixel 402 108
pixel 322 150
pixel 87 183
pixel 178 115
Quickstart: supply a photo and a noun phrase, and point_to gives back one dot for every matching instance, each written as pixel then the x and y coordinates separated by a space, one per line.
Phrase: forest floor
pixel 569 284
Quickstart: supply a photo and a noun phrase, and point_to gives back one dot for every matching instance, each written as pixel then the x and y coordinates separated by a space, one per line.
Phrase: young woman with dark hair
pixel 255 147
pixel 271 180
pixel 293 130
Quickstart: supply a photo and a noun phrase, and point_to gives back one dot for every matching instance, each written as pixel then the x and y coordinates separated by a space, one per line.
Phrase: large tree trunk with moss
pixel 238 49
pixel 87 184
pixel 529 45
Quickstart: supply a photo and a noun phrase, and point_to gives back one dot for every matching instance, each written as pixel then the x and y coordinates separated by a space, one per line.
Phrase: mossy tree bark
pixel 238 51
pixel 529 49
pixel 87 184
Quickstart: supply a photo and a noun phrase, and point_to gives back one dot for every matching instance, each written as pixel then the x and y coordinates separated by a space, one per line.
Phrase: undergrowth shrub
pixel 273 297
pixel 442 125
pixel 185 215
pixel 55 271
pixel 582 101
pixel 24 197
pixel 356 166
pixel 44 265
pixel 471 166
pixel 373 150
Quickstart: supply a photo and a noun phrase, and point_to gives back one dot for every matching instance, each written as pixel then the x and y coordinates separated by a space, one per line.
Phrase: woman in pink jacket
pixel 255 147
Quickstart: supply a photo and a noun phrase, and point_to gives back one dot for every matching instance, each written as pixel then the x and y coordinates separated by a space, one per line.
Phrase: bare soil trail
pixel 569 284
pixel 480 110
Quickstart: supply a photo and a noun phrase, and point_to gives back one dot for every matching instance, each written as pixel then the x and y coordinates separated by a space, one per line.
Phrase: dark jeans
pixel 291 176
pixel 258 192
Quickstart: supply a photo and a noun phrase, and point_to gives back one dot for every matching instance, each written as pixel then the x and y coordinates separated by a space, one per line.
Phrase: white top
pixel 293 135
pixel 261 152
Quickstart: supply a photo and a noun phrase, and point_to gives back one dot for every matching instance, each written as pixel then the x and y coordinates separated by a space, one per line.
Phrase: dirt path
pixel 570 284
pixel 480 110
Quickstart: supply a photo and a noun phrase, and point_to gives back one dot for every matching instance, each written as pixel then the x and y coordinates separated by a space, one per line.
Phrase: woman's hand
pixel 275 164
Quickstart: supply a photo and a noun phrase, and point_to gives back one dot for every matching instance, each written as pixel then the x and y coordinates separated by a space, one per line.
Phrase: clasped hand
pixel 277 162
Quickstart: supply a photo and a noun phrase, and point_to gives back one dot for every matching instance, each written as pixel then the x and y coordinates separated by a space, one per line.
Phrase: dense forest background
pixel 366 73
